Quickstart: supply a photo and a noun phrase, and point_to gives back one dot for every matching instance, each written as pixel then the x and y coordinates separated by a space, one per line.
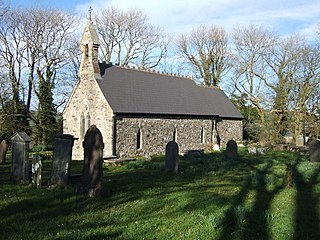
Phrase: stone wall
pixel 229 129
pixel 156 132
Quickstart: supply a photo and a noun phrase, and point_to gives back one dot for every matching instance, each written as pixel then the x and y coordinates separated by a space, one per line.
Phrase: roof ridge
pixel 210 87
pixel 150 70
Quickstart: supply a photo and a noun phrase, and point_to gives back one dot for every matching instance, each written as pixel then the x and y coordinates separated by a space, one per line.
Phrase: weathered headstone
pixel 3 151
pixel 20 158
pixel 314 150
pixel 36 170
pixel 300 141
pixel 62 154
pixel 232 150
pixel 172 155
pixel 93 159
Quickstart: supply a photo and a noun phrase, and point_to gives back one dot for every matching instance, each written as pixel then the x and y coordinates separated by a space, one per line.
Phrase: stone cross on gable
pixel 90 13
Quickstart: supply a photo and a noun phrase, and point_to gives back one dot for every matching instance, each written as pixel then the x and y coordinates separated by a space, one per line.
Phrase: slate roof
pixel 133 91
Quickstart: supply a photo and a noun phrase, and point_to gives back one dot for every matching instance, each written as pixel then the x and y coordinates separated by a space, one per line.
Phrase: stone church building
pixel 138 112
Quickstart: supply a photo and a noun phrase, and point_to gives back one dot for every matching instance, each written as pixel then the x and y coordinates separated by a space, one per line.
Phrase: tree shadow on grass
pixel 256 226
pixel 307 222
pixel 54 214
pixel 241 223
pixel 144 192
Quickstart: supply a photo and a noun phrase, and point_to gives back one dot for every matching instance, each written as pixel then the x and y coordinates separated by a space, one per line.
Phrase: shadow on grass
pixel 48 214
pixel 143 192
pixel 307 222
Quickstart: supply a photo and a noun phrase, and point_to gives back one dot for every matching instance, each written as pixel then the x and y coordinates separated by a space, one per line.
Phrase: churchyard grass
pixel 210 198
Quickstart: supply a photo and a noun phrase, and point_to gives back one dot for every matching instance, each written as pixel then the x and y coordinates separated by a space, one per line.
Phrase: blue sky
pixel 177 16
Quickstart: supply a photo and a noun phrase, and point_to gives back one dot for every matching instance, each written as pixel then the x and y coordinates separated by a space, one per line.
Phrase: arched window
pixel 174 137
pixel 202 135
pixel 86 50
pixel 88 121
pixel 82 125
pixel 139 139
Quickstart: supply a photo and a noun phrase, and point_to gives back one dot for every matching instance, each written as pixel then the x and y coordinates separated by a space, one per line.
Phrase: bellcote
pixel 89 48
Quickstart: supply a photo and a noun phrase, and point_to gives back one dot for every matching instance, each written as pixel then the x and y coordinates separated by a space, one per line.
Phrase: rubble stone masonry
pixel 156 132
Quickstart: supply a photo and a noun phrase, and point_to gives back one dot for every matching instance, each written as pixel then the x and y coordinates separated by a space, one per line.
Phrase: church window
pixel 202 135
pixel 86 50
pixel 82 125
pixel 175 134
pixel 139 139
pixel 88 119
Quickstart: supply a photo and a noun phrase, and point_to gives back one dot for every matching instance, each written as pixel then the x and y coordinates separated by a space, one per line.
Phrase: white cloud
pixel 177 16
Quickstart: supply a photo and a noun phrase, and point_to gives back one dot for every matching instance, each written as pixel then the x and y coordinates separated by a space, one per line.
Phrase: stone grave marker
pixel 232 150
pixel 20 158
pixel 172 155
pixel 62 154
pixel 314 150
pixel 36 171
pixel 300 141
pixel 93 160
pixel 3 151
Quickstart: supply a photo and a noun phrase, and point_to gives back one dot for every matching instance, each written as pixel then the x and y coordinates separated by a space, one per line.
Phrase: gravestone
pixel 93 159
pixel 232 150
pixel 300 141
pixel 172 155
pixel 36 171
pixel 3 151
pixel 20 158
pixel 62 153
pixel 314 150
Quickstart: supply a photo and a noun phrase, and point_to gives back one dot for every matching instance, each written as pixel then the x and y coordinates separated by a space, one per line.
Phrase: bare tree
pixel 3 8
pixel 46 34
pixel 279 77
pixel 282 63
pixel 34 48
pixel 304 97
pixel 205 50
pixel 12 49
pixel 127 38
pixel 251 44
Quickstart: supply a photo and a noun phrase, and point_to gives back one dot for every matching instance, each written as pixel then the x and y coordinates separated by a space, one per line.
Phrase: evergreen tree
pixel 13 120
pixel 47 124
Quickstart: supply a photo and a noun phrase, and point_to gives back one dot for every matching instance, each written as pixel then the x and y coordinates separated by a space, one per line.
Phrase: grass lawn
pixel 210 198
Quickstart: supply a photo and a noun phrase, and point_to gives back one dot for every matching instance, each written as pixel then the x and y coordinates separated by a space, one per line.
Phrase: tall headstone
pixel 3 151
pixel 20 158
pixel 314 150
pixel 232 150
pixel 62 153
pixel 93 160
pixel 172 155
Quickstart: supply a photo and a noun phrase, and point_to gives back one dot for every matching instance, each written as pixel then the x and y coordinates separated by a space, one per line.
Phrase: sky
pixel 179 16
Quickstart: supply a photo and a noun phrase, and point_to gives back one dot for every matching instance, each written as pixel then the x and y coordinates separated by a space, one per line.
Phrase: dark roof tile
pixel 141 92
